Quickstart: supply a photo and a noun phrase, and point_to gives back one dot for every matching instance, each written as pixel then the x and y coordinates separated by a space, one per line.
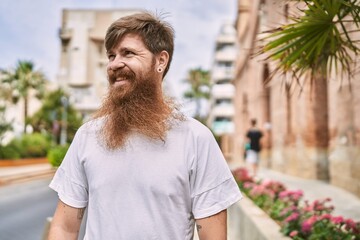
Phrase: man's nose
pixel 116 63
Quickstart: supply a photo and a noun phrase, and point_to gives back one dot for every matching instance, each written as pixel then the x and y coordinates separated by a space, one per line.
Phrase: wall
pixel 247 221
pixel 295 141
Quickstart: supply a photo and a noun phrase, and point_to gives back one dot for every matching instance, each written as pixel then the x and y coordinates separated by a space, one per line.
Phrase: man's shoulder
pixel 190 123
pixel 91 125
pixel 194 127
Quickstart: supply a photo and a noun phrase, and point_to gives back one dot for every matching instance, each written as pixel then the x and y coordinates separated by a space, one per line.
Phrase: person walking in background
pixel 253 144
pixel 141 168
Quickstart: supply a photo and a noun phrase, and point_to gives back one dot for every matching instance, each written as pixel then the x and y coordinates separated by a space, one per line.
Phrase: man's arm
pixel 66 222
pixel 213 227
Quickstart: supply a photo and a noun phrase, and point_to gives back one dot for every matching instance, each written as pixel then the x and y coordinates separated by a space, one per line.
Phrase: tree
pixel 5 95
pixel 22 80
pixel 199 81
pixel 4 125
pixel 49 117
pixel 317 41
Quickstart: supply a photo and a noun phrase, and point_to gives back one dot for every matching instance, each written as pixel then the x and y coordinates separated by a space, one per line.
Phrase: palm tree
pixel 318 40
pixel 315 43
pixel 23 79
pixel 4 124
pixel 49 117
pixel 199 81
pixel 5 96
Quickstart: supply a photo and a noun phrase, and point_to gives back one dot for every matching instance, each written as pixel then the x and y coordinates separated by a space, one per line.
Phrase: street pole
pixel 63 134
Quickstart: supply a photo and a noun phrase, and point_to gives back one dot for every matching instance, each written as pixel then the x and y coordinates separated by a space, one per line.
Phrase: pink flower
pixel 350 223
pixel 291 195
pixel 326 216
pixel 337 220
pixel 286 210
pixel 308 223
pixel 248 185
pixel 293 217
pixel 318 207
pixel 294 233
pixel 306 227
pixel 242 175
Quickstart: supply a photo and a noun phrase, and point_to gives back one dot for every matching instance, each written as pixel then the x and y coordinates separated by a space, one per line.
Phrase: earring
pixel 159 70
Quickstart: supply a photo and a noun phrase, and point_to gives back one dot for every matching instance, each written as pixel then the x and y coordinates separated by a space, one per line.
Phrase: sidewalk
pixel 346 204
pixel 15 174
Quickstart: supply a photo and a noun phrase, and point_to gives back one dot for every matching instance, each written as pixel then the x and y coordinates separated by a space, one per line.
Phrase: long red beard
pixel 140 108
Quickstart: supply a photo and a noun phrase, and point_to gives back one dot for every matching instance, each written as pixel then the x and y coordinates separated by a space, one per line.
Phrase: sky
pixel 29 31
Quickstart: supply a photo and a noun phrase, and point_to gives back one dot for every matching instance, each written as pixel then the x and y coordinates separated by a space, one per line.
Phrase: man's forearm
pixel 213 227
pixel 58 233
pixel 66 222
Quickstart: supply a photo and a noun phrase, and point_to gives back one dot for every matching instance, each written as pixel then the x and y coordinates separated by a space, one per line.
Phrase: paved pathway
pixel 24 208
pixel 17 174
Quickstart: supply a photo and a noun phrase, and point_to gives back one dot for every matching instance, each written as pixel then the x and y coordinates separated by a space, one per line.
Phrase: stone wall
pixel 247 221
pixel 299 141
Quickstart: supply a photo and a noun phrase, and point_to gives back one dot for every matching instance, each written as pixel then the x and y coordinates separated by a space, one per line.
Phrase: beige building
pixel 82 70
pixel 298 140
pixel 222 111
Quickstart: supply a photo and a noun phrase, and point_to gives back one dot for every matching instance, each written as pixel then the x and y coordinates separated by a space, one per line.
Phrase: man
pixel 142 169
pixel 253 136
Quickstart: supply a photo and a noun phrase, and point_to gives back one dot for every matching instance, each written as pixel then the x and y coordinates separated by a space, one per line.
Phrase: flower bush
pixel 298 219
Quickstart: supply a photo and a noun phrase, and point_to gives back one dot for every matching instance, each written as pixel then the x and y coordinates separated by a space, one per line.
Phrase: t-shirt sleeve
pixel 213 187
pixel 70 180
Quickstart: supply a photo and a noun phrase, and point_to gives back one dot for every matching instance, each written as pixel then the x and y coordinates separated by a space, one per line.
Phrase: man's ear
pixel 163 59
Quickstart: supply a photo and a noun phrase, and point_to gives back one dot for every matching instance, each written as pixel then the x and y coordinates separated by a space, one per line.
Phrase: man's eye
pixel 111 57
pixel 129 53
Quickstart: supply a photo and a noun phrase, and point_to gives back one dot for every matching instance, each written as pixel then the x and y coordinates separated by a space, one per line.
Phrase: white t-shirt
pixel 147 189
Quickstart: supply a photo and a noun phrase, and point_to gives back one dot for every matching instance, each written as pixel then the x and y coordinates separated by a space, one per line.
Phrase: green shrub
pixel 16 145
pixel 34 145
pixel 9 152
pixel 56 155
pixel 26 146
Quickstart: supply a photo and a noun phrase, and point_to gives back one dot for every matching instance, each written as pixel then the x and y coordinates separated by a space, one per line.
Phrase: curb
pixel 27 176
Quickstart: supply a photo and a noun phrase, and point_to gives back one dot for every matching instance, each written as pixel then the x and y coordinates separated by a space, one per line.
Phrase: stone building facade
pixel 82 70
pixel 222 93
pixel 301 139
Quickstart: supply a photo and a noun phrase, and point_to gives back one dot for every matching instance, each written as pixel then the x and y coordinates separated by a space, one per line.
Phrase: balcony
pixel 228 38
pixel 220 73
pixel 222 127
pixel 223 91
pixel 223 110
pixel 65 34
pixel 228 56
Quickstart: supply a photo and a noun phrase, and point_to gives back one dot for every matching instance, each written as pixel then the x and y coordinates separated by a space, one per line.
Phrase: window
pixel 223 119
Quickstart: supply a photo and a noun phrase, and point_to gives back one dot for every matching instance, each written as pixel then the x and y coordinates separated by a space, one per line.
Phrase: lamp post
pixel 63 134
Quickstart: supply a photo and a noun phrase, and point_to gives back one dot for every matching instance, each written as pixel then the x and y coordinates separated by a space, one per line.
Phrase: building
pixel 82 70
pixel 221 113
pixel 299 140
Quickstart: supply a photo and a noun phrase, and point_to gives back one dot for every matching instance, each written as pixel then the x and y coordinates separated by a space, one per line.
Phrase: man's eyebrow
pixel 129 49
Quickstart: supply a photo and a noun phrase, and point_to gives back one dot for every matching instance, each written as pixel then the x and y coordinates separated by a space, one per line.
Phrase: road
pixel 24 208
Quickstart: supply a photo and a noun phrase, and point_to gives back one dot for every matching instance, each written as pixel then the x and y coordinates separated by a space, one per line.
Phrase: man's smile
pixel 120 81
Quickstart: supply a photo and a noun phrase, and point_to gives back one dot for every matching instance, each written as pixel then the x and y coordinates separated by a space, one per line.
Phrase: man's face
pixel 130 64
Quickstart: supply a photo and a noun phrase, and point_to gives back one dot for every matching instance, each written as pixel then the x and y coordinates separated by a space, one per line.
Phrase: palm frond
pixel 319 38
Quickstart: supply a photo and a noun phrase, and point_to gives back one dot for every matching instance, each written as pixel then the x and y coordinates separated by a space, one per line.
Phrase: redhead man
pixel 140 168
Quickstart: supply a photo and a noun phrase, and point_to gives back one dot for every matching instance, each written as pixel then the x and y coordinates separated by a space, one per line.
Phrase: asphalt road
pixel 24 208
